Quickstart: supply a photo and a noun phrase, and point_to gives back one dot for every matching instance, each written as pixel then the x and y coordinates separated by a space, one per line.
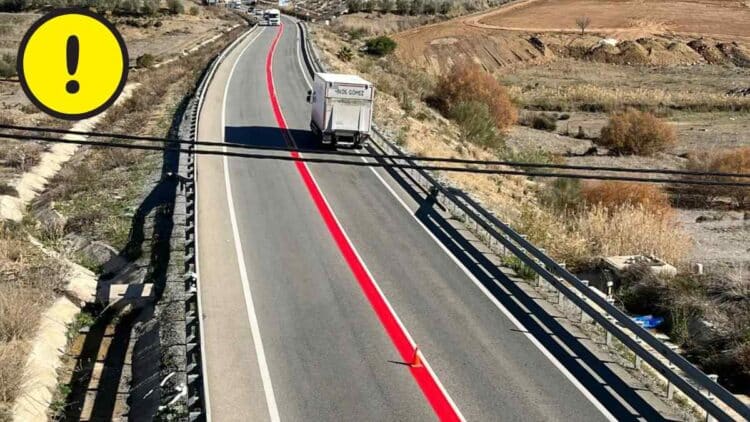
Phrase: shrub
pixel 194 11
pixel 380 46
pixel 13 357
pixel 735 160
pixel 175 7
pixel 637 132
pixel 467 81
pixel 145 61
pixel 150 7
pixel 476 124
pixel 7 65
pixel 354 6
pixel 14 5
pixel 345 54
pixel 6 189
pixel 445 7
pixel 386 6
pixel 16 304
pixel 416 7
pixel 544 122
pixel 612 195
pixel 403 7
pixel 562 194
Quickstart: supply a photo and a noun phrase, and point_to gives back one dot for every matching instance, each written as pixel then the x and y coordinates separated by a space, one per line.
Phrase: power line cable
pixel 378 156
pixel 372 164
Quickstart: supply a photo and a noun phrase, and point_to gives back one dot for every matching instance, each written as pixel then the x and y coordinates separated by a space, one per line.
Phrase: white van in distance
pixel 272 17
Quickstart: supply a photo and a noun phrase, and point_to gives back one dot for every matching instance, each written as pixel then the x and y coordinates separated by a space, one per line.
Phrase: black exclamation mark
pixel 72 61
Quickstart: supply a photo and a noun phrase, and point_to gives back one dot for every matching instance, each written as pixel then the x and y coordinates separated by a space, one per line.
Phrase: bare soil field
pixel 536 31
pixel 626 19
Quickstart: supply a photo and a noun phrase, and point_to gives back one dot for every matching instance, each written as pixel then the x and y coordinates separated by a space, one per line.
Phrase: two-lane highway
pixel 318 280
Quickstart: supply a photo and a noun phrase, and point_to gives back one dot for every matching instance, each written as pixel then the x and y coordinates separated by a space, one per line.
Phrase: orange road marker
pixel 416 361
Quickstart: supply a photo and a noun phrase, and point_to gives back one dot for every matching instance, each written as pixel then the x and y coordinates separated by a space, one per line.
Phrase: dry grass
pixel 580 238
pixel 637 132
pixel 12 363
pixel 612 195
pixel 735 160
pixel 595 98
pixel 16 306
pixel 29 281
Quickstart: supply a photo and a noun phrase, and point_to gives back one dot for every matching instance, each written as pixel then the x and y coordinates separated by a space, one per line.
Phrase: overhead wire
pixel 378 156
pixel 381 163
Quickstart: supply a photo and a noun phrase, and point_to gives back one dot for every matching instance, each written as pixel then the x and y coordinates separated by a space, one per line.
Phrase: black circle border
pixel 71 11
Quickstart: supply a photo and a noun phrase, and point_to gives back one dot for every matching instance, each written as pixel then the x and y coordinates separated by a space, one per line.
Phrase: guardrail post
pixel 638 359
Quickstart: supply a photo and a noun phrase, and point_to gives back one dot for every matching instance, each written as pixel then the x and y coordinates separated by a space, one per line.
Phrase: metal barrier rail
pixel 197 397
pixel 461 205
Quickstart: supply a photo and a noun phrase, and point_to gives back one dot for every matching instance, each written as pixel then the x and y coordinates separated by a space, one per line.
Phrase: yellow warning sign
pixel 73 64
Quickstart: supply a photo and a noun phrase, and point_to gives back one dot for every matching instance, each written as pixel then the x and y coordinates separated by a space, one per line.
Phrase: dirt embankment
pixel 530 32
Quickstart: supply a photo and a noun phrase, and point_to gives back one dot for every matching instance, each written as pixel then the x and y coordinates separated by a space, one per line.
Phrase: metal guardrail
pixel 197 399
pixel 614 321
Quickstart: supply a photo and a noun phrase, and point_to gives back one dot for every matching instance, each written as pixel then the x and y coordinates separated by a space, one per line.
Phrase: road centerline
pixel 435 393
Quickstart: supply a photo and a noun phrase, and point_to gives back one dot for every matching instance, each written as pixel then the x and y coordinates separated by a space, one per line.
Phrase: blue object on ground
pixel 648 321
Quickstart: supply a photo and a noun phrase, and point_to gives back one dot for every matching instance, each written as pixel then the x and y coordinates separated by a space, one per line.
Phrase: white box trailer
pixel 272 17
pixel 341 109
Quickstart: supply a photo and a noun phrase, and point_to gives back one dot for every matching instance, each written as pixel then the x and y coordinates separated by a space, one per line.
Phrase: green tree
pixel 354 6
pixel 445 7
pixel 386 6
pixel 417 6
pixel 403 7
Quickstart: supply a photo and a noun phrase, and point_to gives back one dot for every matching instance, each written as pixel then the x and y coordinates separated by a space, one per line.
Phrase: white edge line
pixel 265 374
pixel 471 276
pixel 206 397
pixel 499 305
pixel 374 281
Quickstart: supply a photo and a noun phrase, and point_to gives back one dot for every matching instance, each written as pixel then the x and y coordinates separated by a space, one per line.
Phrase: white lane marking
pixel 499 305
pixel 265 374
pixel 425 361
pixel 482 288
pixel 299 58
pixel 206 395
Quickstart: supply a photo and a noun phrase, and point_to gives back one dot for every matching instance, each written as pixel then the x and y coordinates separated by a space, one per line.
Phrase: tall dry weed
pixel 19 312
pixel 12 363
pixel 611 194
pixel 735 160
pixel 579 238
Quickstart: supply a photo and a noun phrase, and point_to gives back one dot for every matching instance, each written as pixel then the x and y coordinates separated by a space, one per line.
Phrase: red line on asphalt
pixel 437 398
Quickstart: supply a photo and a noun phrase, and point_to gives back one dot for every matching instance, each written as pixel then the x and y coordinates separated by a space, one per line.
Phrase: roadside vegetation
pixel 29 282
pixel 708 316
pixel 94 198
pixel 616 112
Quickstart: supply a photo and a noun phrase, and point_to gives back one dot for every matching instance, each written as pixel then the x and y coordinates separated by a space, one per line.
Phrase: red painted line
pixel 437 398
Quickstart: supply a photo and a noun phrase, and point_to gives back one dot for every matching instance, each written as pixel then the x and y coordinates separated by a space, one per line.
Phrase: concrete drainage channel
pixel 651 356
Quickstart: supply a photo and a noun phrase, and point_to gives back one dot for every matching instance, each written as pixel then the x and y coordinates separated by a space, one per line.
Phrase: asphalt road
pixel 289 331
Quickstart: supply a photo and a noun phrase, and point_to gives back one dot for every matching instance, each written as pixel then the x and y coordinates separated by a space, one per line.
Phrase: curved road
pixel 318 280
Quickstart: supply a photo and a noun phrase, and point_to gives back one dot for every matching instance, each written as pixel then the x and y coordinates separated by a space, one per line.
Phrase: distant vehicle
pixel 272 17
pixel 258 13
pixel 341 109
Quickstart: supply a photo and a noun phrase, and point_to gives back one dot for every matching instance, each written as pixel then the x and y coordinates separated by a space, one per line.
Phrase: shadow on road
pixel 608 388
